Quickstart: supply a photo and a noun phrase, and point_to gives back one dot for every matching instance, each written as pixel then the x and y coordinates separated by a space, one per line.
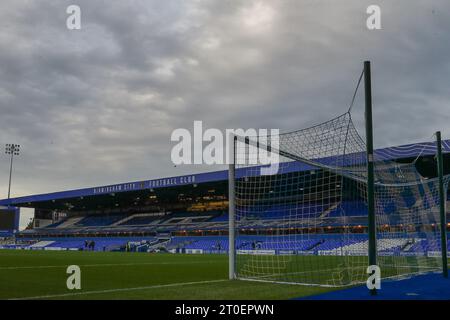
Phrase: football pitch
pixel 28 274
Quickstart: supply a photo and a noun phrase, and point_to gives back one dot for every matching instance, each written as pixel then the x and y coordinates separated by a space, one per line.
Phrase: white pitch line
pixel 119 290
pixel 102 265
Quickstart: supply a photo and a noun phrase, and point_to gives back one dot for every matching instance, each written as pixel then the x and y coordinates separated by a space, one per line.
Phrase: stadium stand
pixel 192 212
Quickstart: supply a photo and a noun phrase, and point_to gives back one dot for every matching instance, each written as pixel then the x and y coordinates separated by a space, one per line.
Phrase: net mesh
pixel 307 224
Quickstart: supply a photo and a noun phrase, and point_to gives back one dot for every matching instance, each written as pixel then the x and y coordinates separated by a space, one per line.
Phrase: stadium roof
pixel 391 153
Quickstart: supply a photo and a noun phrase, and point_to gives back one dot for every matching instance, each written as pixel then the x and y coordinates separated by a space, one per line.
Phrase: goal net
pixel 307 223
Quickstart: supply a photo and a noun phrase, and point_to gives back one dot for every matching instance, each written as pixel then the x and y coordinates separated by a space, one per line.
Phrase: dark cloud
pixel 98 105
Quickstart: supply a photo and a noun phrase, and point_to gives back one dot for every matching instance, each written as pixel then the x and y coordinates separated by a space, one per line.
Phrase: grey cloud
pixel 97 106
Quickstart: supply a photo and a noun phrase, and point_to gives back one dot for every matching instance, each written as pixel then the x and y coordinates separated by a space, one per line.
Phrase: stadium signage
pixel 116 188
pixel 257 252
pixel 286 252
pixel 165 182
pixel 171 181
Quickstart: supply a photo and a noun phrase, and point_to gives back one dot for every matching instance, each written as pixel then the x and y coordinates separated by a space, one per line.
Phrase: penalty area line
pixel 119 290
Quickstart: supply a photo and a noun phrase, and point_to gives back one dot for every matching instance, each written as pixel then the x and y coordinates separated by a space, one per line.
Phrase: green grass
pixel 32 274
pixel 120 275
pixel 329 270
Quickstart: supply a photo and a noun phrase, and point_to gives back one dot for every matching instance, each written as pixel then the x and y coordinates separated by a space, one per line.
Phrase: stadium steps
pixel 393 243
pixel 408 245
pixel 382 245
pixel 69 222
pixel 413 243
pixel 122 221
pixel 181 220
pixel 178 245
pixel 41 244
pixel 159 243
pixel 7 241
pixel 328 210
pixel 315 245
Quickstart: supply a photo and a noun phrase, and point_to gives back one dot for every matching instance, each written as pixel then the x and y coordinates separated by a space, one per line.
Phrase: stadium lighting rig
pixel 12 150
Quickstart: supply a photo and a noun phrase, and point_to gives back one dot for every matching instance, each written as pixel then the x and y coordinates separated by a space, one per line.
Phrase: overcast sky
pixel 97 106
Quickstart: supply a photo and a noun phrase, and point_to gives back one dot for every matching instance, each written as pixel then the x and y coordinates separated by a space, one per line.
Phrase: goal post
pixel 442 203
pixel 334 207
pixel 370 169
pixel 231 213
